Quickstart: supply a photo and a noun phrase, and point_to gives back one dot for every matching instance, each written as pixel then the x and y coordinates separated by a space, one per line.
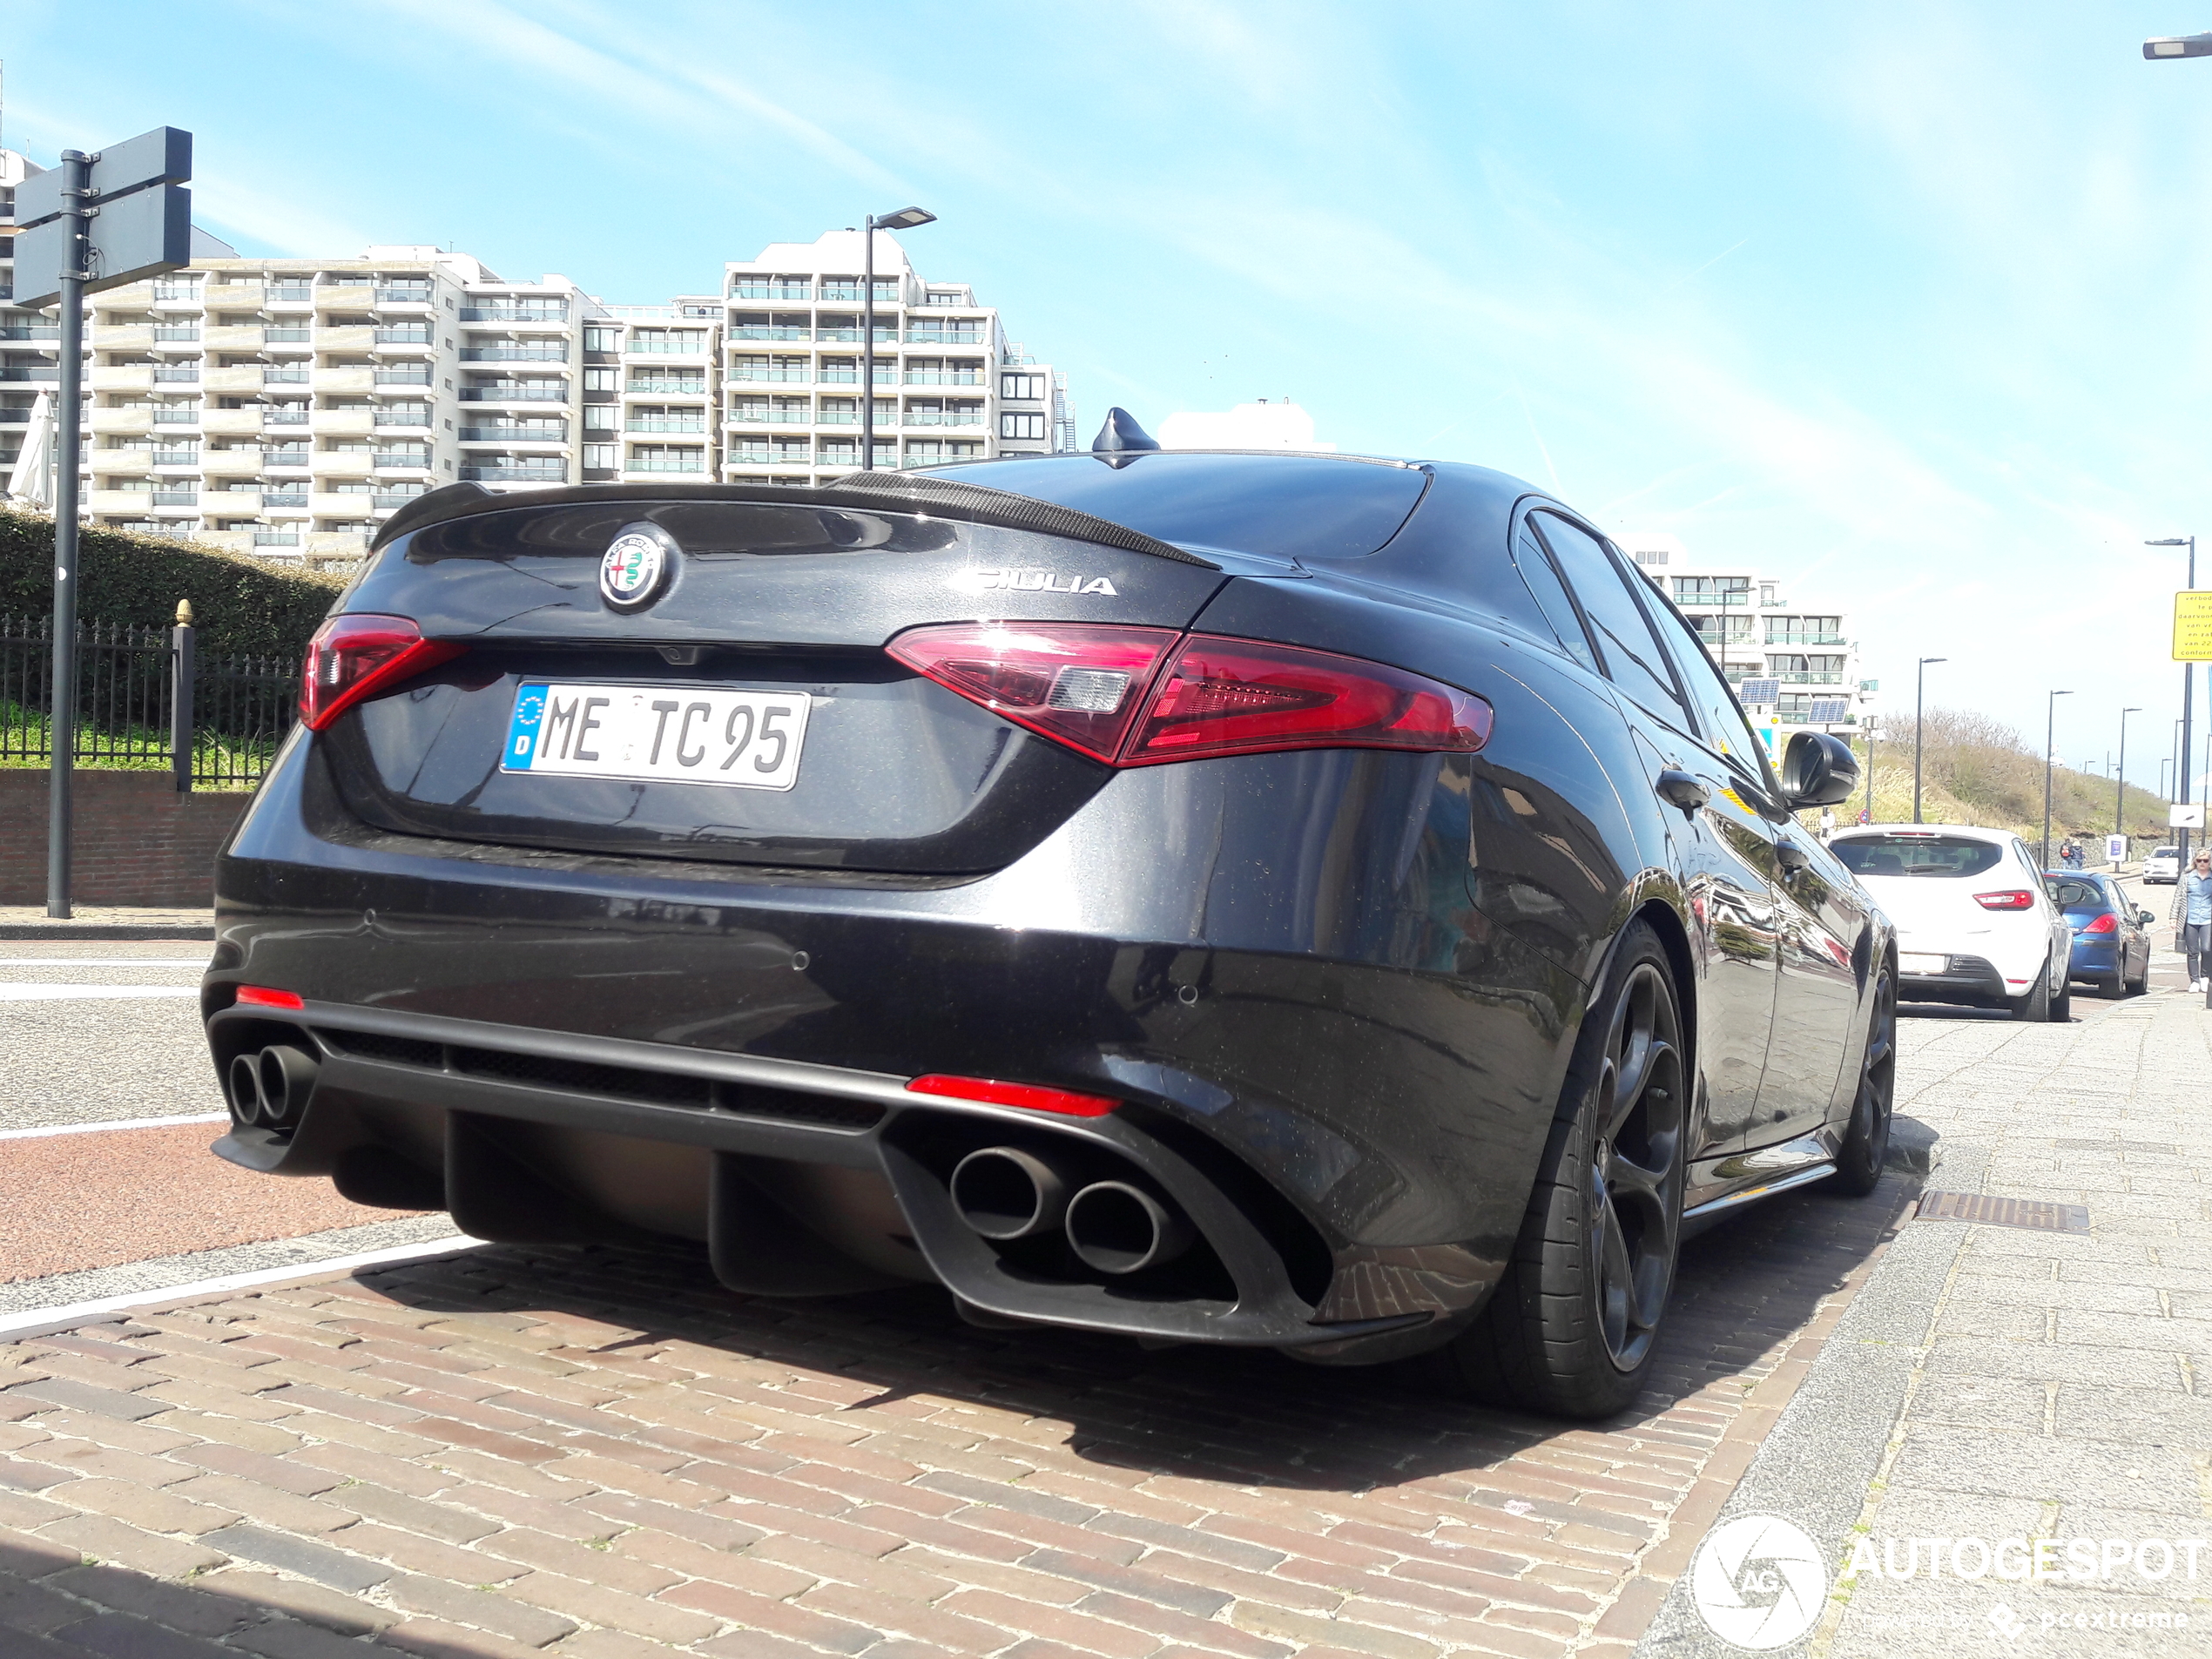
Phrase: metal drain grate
pixel 2004 1212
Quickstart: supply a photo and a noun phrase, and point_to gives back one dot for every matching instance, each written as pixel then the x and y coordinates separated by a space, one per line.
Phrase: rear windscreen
pixel 1286 506
pixel 1917 855
pixel 2070 892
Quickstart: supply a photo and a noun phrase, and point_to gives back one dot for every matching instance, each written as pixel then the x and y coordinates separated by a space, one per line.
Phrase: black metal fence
pixel 236 709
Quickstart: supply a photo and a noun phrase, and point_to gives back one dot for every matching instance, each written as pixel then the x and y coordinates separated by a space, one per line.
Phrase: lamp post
pixel 1870 768
pixel 2120 785
pixel 1919 688
pixel 2050 738
pixel 2188 695
pixel 905 220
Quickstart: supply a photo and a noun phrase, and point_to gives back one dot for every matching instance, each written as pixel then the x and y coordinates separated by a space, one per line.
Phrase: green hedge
pixel 239 604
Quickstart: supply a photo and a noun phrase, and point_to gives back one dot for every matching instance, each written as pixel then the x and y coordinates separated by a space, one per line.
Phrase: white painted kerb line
pixel 98 1128
pixel 103 961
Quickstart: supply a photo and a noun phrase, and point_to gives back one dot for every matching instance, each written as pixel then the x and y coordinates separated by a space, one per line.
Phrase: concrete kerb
pixel 1829 1444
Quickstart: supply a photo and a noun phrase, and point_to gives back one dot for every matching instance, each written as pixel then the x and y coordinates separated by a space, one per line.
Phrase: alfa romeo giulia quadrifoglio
pixel 1310 902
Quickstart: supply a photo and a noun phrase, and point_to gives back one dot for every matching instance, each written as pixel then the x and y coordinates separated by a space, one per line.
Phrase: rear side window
pixel 2073 893
pixel 1930 855
pixel 1625 641
pixel 1536 566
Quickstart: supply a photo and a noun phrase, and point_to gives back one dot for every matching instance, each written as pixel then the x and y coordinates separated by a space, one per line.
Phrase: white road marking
pixel 40 1322
pixel 103 961
pixel 99 1129
pixel 38 993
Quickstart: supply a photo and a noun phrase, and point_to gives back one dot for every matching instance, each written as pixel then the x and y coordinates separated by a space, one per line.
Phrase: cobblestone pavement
pixel 2061 1388
pixel 595 1454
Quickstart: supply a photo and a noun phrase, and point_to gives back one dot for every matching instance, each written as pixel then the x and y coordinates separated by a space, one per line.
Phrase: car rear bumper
pixel 2094 959
pixel 1964 978
pixel 1346 1096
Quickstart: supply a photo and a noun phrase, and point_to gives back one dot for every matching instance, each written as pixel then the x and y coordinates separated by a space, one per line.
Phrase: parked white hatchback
pixel 1975 921
pixel 2164 865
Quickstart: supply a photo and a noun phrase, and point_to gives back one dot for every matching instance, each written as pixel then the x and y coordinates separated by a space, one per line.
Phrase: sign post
pixel 94 222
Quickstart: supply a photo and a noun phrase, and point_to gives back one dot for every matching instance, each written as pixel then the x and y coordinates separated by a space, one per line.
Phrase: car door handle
pixel 1680 789
pixel 1790 856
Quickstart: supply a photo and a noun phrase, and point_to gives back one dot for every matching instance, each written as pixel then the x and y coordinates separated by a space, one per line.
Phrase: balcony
pixel 177 332
pixel 774 290
pixel 798 376
pixel 176 498
pixel 510 434
pixel 1789 678
pixel 665 385
pixel 763 331
pixel 514 394
pixel 343 422
pixel 347 503
pixel 276 538
pixel 31 331
pixel 403 460
pixel 412 374
pixel 844 292
pixel 760 415
pixel 839 417
pixel 278 498
pixel 944 337
pixel 514 354
pixel 943 418
pixel 515 475
pixel 120 377
pixel 402 417
pixel 403 296
pixel 697 424
pixel 1732 596
pixel 28 372
pixel 349 296
pixel 287 375
pixel 176 457
pixel 177 374
pixel 943 377
pixel 286 415
pixel 669 463
pixel 348 377
pixel 1805 639
pixel 385 501
pixel 238 377
pixel 176 417
pixel 287 334
pixel 554 313
pixel 397 336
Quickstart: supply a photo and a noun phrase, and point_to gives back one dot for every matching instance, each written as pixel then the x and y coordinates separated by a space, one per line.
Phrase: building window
pixel 1651 555
pixel 601 339
pixel 1020 426
pixel 599 455
pixel 602 379
pixel 601 417
pixel 1024 386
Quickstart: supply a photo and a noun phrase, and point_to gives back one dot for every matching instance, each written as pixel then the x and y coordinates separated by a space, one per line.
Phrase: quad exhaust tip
pixel 1117 1228
pixel 269 1088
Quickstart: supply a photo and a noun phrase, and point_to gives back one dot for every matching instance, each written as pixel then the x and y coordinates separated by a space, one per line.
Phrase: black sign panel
pixel 132 236
pixel 161 157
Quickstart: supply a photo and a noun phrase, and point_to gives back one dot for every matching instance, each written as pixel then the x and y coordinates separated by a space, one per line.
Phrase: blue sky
pixel 1900 301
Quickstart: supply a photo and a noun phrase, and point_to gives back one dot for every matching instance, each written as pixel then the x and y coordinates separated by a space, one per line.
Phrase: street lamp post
pixel 2050 737
pixel 1870 735
pixel 2189 696
pixel 1919 688
pixel 905 220
pixel 2120 785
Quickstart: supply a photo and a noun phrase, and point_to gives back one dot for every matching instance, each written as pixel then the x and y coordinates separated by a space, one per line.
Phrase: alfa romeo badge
pixel 637 566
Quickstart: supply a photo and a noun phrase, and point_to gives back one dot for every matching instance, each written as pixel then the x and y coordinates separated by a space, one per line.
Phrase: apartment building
pixel 286 408
pixel 948 384
pixel 1757 631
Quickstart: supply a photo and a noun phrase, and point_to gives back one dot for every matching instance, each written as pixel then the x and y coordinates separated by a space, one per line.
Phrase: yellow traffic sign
pixel 2193 627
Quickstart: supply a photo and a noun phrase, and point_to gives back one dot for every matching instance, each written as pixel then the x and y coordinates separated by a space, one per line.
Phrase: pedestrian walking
pixel 2192 918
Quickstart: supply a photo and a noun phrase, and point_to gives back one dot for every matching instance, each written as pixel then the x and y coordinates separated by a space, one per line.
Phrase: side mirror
pixel 2144 919
pixel 1817 770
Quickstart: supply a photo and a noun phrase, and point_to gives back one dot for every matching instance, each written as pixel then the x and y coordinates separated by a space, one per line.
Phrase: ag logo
pixel 1758 1582
pixel 637 566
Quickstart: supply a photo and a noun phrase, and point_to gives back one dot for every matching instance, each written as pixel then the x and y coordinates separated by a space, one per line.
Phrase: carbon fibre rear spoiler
pixel 900 492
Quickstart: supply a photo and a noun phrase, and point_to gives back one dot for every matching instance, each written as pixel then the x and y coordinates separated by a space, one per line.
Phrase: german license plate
pixel 657 733
pixel 1908 962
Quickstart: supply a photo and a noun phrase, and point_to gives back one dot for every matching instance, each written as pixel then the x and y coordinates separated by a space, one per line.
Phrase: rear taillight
pixel 2016 898
pixel 2104 924
pixel 1031 1096
pixel 1104 691
pixel 357 656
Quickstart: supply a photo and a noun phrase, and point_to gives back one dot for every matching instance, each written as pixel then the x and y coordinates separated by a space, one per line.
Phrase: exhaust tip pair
pixel 1005 1193
pixel 269 1088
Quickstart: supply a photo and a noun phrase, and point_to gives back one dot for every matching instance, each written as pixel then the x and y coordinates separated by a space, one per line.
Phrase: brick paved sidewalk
pixel 595 1455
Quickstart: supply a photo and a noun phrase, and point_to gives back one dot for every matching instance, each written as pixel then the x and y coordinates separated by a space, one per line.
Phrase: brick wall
pixel 137 841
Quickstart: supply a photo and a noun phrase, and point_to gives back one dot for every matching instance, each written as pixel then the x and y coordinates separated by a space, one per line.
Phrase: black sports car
pixel 1314 902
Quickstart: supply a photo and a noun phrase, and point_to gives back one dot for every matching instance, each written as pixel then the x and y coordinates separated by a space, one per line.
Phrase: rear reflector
pixel 2107 923
pixel 2017 899
pixel 261 996
pixel 991 1093
pixel 357 656
pixel 1103 691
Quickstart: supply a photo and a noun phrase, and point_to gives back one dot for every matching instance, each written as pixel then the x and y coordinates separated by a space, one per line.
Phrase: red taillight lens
pixel 1222 697
pixel 1080 683
pixel 2018 898
pixel 2104 924
pixel 992 1093
pixel 261 996
pixel 355 656
pixel 1101 689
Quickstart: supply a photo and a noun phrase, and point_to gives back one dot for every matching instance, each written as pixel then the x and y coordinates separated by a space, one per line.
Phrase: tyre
pixel 1573 1325
pixel 2062 1005
pixel 2140 983
pixel 1866 1141
pixel 2035 1003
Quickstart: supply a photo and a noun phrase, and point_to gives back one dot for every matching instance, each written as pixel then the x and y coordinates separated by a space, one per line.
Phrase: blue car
pixel 2111 933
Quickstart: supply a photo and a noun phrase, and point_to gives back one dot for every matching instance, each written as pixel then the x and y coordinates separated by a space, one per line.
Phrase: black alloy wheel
pixel 1574 1324
pixel 1866 1139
